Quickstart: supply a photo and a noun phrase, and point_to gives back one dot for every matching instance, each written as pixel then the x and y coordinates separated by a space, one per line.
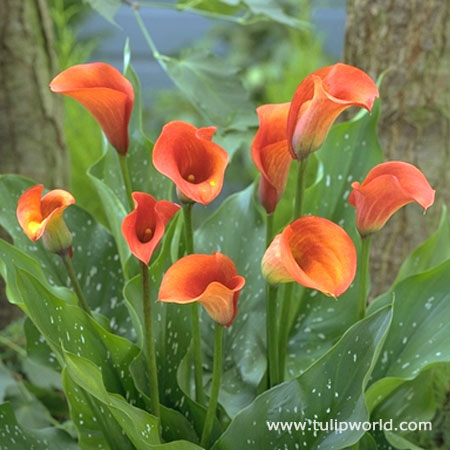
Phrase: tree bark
pixel 31 136
pixel 410 39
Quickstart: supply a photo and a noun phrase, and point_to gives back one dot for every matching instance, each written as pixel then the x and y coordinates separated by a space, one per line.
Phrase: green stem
pixel 195 313
pixel 188 233
pixel 149 344
pixel 147 36
pixel 287 298
pixel 73 278
pixel 364 258
pixel 271 330
pixel 126 179
pixel 13 346
pixel 300 189
pixel 284 329
pixel 217 373
pixel 271 316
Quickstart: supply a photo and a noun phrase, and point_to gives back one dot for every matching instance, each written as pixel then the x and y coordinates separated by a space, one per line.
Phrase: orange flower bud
pixel 105 93
pixel 318 101
pixel 43 217
pixel 388 187
pixel 144 227
pixel 315 253
pixel 270 153
pixel 211 280
pixel 187 156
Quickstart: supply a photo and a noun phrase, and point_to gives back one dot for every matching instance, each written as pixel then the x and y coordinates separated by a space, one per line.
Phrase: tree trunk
pixel 411 39
pixel 31 138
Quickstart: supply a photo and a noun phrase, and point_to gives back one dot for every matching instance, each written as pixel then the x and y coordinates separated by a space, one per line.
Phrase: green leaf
pixel 212 87
pixel 434 251
pixel 419 336
pixel 17 437
pixel 107 8
pixel 66 325
pixel 331 388
pixel 271 9
pixel 140 426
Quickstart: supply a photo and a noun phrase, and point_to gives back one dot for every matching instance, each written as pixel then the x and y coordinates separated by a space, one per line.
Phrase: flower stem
pixel 126 179
pixel 195 314
pixel 284 329
pixel 271 316
pixel 217 373
pixel 73 278
pixel 300 189
pixel 149 344
pixel 365 255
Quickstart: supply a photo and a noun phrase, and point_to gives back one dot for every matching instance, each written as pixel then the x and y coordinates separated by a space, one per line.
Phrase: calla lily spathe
pixel 315 253
pixel 105 93
pixel 187 156
pixel 211 280
pixel 43 217
pixel 270 153
pixel 144 227
pixel 388 187
pixel 318 101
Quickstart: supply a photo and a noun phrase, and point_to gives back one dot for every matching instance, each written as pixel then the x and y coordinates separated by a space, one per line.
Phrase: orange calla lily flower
pixel 318 101
pixel 270 153
pixel 105 93
pixel 144 227
pixel 315 253
pixel 187 156
pixel 211 280
pixel 43 217
pixel 387 188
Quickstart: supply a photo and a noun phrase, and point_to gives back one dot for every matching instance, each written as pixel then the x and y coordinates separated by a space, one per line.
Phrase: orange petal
pixel 319 99
pixel 270 153
pixel 191 160
pixel 388 187
pixel 144 227
pixel 35 215
pixel 211 280
pixel 105 93
pixel 314 252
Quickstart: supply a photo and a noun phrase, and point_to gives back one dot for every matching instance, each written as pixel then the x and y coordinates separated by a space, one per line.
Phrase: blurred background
pixel 268 48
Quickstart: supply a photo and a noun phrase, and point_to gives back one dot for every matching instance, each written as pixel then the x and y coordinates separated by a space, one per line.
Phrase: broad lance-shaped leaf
pixel 434 251
pixel 139 426
pixel 95 255
pixel 213 88
pixel 349 152
pixel 331 389
pixel 413 401
pixel 237 230
pixel 66 325
pixel 16 437
pixel 419 336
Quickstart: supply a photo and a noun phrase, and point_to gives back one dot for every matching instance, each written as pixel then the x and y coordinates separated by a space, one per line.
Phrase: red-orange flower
pixel 270 153
pixel 315 253
pixel 387 188
pixel 144 227
pixel 211 280
pixel 187 156
pixel 319 99
pixel 43 217
pixel 105 93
